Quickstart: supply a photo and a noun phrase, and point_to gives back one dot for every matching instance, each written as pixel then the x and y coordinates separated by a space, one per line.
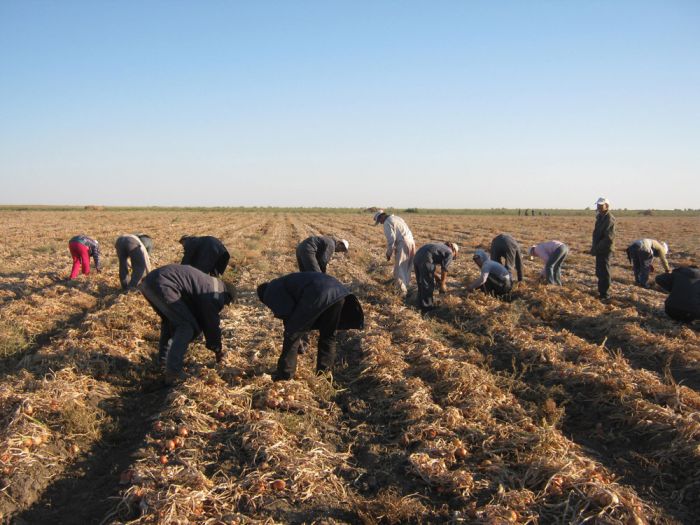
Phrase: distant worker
pixel 683 285
pixel 132 252
pixel 603 245
pixel 553 253
pixel 428 259
pixel 188 302
pixel 494 278
pixel 207 254
pixel 505 248
pixel 81 248
pixel 314 253
pixel 641 254
pixel 308 301
pixel 400 243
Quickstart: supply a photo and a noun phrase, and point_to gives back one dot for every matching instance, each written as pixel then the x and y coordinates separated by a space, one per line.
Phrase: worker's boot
pixel 326 353
pixel 171 377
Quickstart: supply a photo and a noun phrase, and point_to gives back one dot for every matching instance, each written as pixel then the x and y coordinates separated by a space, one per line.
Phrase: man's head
pixel 666 250
pixel 341 245
pixel 531 251
pixel 261 291
pixel 602 205
pixel 454 247
pixel 480 257
pixel 380 217
pixel 184 238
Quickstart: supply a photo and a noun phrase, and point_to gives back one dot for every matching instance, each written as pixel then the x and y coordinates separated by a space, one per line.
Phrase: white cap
pixel 344 243
pixel 665 247
pixel 454 246
pixel 602 200
pixel 377 215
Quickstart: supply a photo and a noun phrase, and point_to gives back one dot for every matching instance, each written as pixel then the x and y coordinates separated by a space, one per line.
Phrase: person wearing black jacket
pixel 602 246
pixel 683 285
pixel 314 253
pixel 188 302
pixel 308 301
pixel 505 248
pixel 207 254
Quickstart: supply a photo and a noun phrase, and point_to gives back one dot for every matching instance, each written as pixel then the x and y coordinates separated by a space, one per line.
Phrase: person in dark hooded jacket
pixel 188 302
pixel 207 254
pixel 308 301
pixel 314 253
pixel 683 285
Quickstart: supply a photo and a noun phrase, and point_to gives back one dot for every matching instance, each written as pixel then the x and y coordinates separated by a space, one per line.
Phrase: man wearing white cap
pixel 400 243
pixel 602 245
pixel 641 254
pixel 314 253
pixel 494 278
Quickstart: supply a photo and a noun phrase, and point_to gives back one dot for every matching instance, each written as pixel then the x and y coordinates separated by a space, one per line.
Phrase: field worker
pixel 683 285
pixel 399 242
pixel 207 254
pixel 425 264
pixel 132 252
pixel 188 302
pixel 308 301
pixel 494 277
pixel 641 254
pixel 553 253
pixel 146 241
pixel 602 245
pixel 505 248
pixel 81 249
pixel 314 253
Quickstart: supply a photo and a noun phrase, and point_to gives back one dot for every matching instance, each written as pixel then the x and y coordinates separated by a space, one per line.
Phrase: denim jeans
pixel 553 268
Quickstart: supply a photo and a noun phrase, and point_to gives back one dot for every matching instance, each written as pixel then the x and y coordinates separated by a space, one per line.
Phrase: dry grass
pixel 550 408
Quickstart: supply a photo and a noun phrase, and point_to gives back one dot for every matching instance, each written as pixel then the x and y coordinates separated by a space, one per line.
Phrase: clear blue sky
pixel 330 103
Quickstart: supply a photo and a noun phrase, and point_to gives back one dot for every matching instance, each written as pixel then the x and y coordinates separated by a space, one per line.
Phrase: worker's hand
pixel 443 289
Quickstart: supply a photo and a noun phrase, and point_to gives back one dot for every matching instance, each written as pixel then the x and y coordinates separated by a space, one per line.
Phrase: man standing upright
pixel 399 242
pixel 602 246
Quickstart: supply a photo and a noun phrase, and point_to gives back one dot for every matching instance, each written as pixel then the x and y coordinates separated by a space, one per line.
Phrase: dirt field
pixel 551 408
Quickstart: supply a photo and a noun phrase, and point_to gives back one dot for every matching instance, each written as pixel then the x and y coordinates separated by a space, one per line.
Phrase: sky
pixel 431 104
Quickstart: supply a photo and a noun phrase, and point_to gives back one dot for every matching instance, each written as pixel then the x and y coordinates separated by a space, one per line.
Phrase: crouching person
pixel 494 279
pixel 425 264
pixel 133 251
pixel 683 285
pixel 188 302
pixel 308 301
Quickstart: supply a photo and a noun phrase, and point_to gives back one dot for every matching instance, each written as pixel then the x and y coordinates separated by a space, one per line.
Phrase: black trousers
pixel 602 272
pixel 326 324
pixel 306 260
pixel 496 286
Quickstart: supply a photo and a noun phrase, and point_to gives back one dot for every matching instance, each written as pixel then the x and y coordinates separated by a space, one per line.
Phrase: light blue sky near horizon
pixel 410 104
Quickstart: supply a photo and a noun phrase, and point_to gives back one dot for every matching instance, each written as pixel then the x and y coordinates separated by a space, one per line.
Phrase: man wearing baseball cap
pixel 400 243
pixel 603 245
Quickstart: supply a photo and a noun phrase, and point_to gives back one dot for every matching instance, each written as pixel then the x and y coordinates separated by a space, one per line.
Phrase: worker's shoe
pixel 171 377
pixel 219 355
pixel 281 376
